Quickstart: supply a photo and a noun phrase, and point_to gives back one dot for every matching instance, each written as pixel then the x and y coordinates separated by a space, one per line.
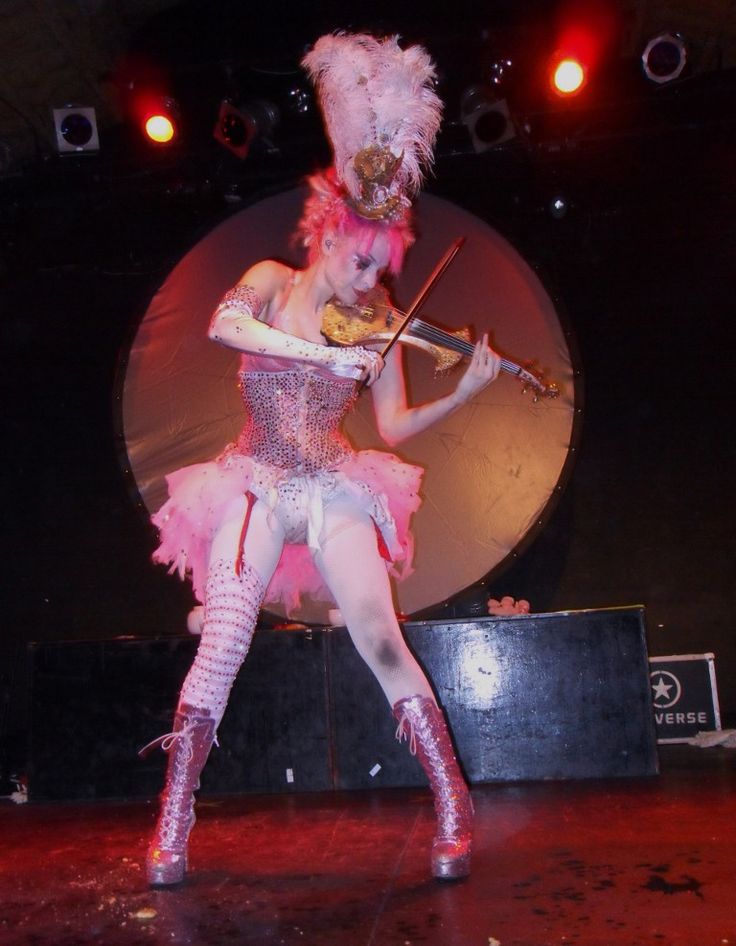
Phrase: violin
pixel 376 321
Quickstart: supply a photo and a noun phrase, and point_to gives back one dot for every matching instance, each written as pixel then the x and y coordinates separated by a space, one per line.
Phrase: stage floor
pixel 636 862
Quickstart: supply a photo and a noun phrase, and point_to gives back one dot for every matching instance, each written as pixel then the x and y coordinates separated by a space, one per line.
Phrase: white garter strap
pixel 315 512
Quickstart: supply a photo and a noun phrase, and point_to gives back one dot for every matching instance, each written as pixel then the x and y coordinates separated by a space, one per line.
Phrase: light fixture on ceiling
pixel 486 117
pixel 239 125
pixel 76 129
pixel 160 119
pixel 664 57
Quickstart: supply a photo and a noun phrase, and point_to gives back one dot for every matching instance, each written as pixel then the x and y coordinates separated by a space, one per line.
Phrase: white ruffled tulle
pixel 381 484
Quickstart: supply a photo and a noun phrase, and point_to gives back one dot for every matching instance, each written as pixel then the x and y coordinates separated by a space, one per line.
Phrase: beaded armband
pixel 243 300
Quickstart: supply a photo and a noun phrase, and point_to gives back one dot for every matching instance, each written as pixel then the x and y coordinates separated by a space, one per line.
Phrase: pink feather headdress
pixel 382 116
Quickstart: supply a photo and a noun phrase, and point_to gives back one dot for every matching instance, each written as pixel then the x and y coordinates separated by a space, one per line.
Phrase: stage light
pixel 498 71
pixel 664 57
pixel 486 117
pixel 238 125
pixel 160 121
pixel 585 33
pixel 558 206
pixel 159 128
pixel 300 100
pixel 234 130
pixel 76 129
pixel 568 76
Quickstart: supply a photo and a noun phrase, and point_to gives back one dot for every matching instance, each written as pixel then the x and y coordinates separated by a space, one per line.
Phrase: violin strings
pixel 431 333
pixel 438 336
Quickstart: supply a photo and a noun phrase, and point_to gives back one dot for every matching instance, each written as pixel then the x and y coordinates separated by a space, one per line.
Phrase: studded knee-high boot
pixel 421 721
pixel 232 602
pixel 188 747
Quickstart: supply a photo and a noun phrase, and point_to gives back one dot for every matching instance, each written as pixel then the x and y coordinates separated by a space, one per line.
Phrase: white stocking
pixel 232 603
pixel 356 574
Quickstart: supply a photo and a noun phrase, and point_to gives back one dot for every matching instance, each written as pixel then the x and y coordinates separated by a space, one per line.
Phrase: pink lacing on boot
pixel 422 723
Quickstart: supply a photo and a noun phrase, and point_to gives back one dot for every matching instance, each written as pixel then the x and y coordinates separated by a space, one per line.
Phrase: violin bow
pixel 439 269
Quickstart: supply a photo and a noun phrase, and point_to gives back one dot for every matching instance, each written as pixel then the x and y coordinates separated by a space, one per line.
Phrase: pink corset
pixel 293 419
pixel 291 449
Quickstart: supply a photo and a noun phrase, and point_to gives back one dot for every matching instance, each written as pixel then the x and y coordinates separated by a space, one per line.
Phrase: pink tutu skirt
pixel 381 484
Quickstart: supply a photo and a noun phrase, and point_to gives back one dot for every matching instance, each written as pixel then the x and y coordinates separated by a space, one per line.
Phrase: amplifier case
pixel 550 696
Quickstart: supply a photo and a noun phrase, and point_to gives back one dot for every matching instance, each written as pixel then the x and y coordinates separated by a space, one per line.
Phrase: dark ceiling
pixel 83 52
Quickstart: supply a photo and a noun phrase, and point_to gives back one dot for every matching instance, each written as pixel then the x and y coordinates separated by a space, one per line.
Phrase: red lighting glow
pixel 585 35
pixel 568 76
pixel 160 128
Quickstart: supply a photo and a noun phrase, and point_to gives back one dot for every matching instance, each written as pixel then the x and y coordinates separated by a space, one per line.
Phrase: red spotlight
pixel 160 128
pixel 157 117
pixel 568 76
pixel 160 119
pixel 585 33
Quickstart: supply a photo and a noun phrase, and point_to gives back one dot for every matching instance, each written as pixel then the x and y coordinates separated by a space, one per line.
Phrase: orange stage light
pixel 160 128
pixel 568 76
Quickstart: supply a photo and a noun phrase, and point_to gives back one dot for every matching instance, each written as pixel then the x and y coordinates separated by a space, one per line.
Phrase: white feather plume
pixel 374 93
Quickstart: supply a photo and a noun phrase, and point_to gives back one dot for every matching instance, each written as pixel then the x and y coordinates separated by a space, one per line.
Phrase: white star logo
pixel 662 682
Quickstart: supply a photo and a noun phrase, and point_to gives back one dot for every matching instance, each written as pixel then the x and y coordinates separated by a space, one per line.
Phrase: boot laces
pixel 169 740
pixel 406 730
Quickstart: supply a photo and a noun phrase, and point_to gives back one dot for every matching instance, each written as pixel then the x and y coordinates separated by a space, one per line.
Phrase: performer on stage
pixel 290 507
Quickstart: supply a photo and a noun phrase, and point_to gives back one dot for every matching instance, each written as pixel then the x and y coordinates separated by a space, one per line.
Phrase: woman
pixel 291 505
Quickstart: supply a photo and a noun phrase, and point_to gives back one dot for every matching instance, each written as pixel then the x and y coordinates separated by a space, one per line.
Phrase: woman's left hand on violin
pixel 484 367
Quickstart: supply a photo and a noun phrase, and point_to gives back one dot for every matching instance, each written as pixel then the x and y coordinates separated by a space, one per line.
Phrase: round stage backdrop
pixel 490 469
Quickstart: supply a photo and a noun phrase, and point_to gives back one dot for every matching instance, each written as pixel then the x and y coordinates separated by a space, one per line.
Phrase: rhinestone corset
pixel 294 419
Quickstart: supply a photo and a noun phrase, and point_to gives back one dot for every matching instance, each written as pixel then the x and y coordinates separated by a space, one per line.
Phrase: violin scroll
pixel 532 381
